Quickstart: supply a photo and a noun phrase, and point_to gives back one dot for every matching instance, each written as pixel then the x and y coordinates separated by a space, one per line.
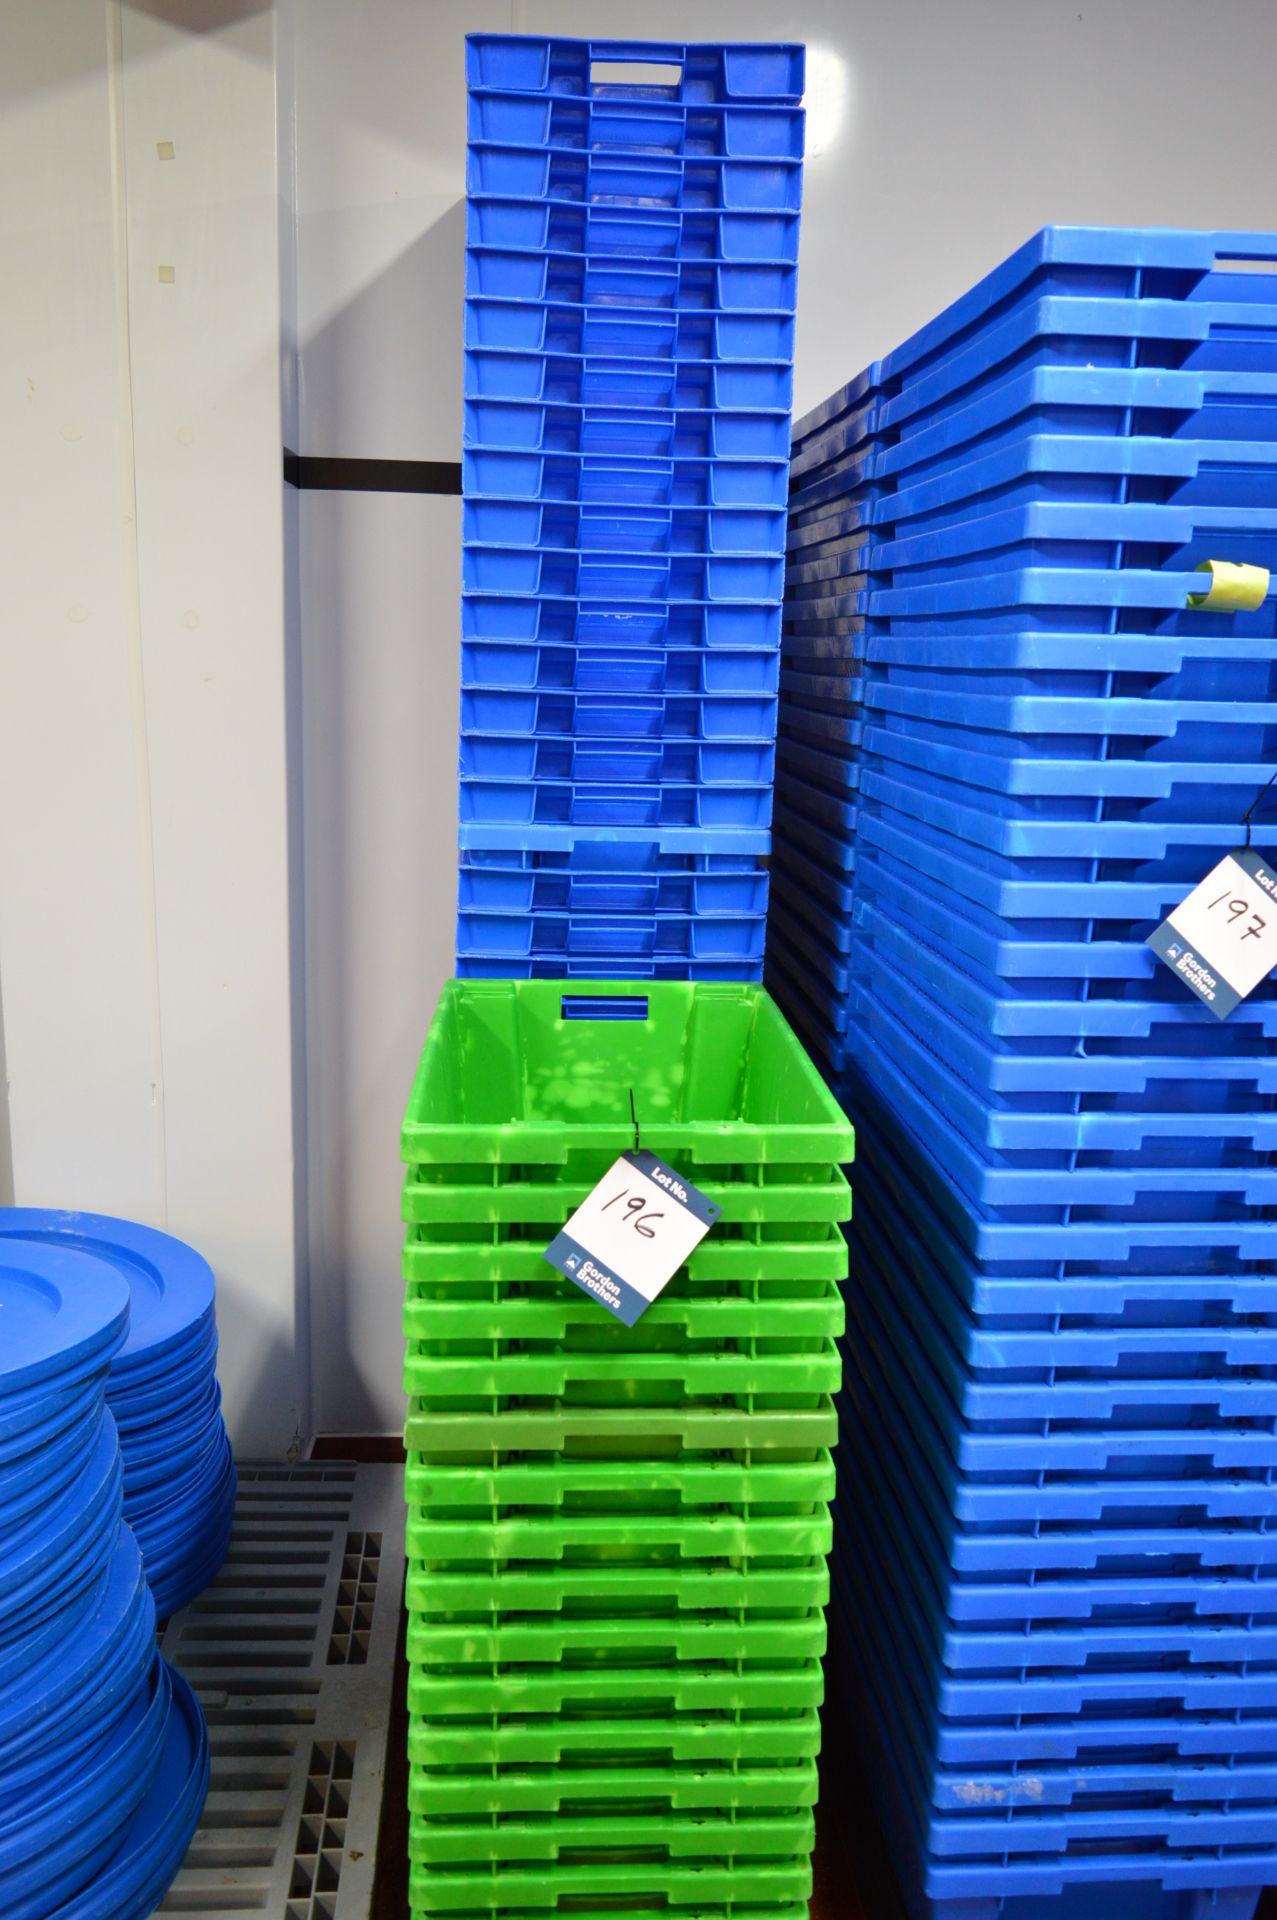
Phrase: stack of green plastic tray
pixel 617 1536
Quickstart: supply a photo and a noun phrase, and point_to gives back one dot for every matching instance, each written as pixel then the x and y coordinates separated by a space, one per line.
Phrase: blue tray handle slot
pixel 592 1006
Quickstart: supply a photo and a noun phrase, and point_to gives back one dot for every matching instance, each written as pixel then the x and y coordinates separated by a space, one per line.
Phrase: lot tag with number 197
pixel 1222 939
pixel 629 1237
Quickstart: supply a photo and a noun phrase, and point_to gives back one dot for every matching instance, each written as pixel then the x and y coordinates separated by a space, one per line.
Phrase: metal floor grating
pixel 292 1654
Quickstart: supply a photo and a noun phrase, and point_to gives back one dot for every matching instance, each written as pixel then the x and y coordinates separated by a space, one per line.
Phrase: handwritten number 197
pixel 1236 908
pixel 634 1209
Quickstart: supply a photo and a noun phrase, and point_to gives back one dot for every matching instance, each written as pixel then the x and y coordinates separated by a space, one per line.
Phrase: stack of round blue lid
pixel 179 1476
pixel 102 1770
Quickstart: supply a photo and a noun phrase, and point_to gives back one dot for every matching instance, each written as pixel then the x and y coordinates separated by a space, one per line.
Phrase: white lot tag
pixel 1222 940
pixel 629 1237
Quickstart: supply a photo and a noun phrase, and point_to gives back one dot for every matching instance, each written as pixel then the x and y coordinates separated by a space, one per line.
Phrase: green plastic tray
pixel 578 1486
pixel 614 1691
pixel 633 1381
pixel 785 1260
pixel 581 1910
pixel 510 1071
pixel 619 1539
pixel 650 1790
pixel 445 1196
pixel 586 1739
pixel 613 1432
pixel 591 1646
pixel 569 1319
pixel 605 1835
pixel 633 1885
pixel 626 1592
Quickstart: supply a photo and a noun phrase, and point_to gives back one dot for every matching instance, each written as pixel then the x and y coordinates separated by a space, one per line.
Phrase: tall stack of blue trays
pixel 632 240
pixel 1009 746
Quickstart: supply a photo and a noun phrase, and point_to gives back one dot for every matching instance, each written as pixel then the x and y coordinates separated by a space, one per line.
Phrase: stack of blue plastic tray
pixel 632 240
pixel 1057 1618
pixel 103 1752
pixel 179 1472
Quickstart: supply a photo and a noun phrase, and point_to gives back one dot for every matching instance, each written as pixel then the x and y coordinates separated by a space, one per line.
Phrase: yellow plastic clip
pixel 1234 588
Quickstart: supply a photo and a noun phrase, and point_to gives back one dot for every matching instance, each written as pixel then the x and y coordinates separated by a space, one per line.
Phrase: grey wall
pixel 941 133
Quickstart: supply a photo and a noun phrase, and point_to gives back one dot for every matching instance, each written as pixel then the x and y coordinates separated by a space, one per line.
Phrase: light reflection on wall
pixel 828 100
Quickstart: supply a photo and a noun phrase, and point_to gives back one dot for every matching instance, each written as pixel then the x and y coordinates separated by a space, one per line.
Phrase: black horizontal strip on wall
pixel 331 475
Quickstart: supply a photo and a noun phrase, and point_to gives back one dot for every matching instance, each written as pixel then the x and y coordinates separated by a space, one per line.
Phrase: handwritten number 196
pixel 634 1210
pixel 1236 908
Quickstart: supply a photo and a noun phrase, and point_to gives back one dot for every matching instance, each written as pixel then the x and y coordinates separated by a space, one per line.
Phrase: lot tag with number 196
pixel 629 1237
pixel 1222 939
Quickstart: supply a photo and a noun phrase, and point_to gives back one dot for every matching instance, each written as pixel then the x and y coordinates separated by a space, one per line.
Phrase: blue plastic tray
pixel 697 71
pixel 958 1649
pixel 1103 1427
pixel 825 861
pixel 561 326
pixel 1150 1530
pixel 1102 1878
pixel 1064 1694
pixel 1015 828
pixel 625 575
pixel 603 716
pixel 1102 1530
pixel 657 285
pixel 649 671
pixel 636 431
pixel 1217 768
pixel 575 528
pixel 964 1746
pixel 608 381
pixel 616 481
pixel 1044 891
pixel 1029 1136
pixel 632 125
pixel 1047 1294
pixel 624 233
pixel 621 623
pixel 1067 951
pixel 1203 1214
pixel 1022 1795
pixel 633 935
pixel 1051 329
pixel 704 765
pixel 1016 671
pixel 627 805
pixel 630 878
pixel 1107 1389
pixel 1037 1009
pixel 1141 1375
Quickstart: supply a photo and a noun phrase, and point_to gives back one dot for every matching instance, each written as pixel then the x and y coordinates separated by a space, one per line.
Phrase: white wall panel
pixel 381 579
pixel 77 924
pixel 381 129
pixel 204 320
pixel 942 133
pixel 152 1029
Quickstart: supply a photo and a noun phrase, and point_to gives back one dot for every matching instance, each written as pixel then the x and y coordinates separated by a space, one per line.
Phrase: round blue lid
pixel 136 1877
pixel 75 1647
pixel 57 1308
pixel 87 1805
pixel 172 1285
